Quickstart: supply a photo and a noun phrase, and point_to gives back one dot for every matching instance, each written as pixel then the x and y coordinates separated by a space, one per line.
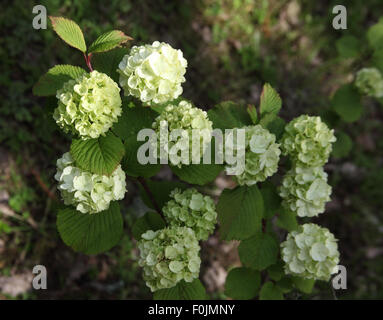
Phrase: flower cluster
pixel 260 151
pixel 191 209
pixel 153 73
pixel 188 129
pixel 310 252
pixel 369 81
pixel 305 191
pixel 89 105
pixel 308 141
pixel 89 193
pixel 168 256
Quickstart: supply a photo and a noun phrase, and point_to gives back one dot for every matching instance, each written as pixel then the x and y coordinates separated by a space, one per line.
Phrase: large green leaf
pixel 150 221
pixel 304 285
pixel 287 220
pixel 198 173
pixel 109 41
pixel 107 62
pixel 90 233
pixel 346 103
pixel 240 212
pixel 69 31
pixel 229 115
pixel 271 102
pixel 274 124
pixel 271 199
pixel 161 191
pixel 101 155
pixel 270 291
pixel 242 283
pixel 276 271
pixel 183 291
pixel 259 251
pixel 342 146
pixel 55 78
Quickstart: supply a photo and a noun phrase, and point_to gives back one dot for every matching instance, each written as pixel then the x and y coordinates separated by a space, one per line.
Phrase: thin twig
pixel 150 195
pixel 43 185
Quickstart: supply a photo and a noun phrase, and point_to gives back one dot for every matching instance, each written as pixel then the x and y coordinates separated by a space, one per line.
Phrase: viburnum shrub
pixel 108 140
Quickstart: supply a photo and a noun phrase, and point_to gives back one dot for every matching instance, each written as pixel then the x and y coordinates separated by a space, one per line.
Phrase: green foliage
pixel 271 291
pixel 342 146
pixel 304 285
pixel 346 103
pixel 198 173
pixel 229 115
pixel 150 221
pixel 287 220
pixel 242 283
pixel 348 46
pixel 90 233
pixel 259 251
pixel 271 102
pixel 101 156
pixel 182 291
pixel 107 62
pixel 70 32
pixel 54 79
pixel 245 220
pixel 108 41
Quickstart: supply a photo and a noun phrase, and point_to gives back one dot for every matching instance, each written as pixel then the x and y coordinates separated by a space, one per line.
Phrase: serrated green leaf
pixel 101 155
pixel 55 78
pixel 342 146
pixel 270 101
pixel 348 46
pixel 240 212
pixel 109 41
pixel 197 173
pixel 69 31
pixel 252 111
pixel 161 191
pixel 242 283
pixel 183 291
pixel 150 221
pixel 90 233
pixel 229 115
pixel 259 251
pixel 304 285
pixel 346 103
pixel 273 123
pixel 287 220
pixel 271 199
pixel 107 62
pixel 270 291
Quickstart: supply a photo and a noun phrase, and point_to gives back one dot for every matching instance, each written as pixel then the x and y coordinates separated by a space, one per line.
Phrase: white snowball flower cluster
pixel 89 193
pixel 168 256
pixel 89 105
pixel 153 73
pixel 305 191
pixel 369 81
pixel 191 209
pixel 308 141
pixel 261 154
pixel 194 128
pixel 310 252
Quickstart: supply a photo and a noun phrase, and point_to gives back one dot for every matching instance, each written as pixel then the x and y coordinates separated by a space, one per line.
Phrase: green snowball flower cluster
pixel 194 127
pixel 89 193
pixel 191 209
pixel 153 73
pixel 308 141
pixel 261 154
pixel 168 256
pixel 305 191
pixel 310 252
pixel 369 81
pixel 89 105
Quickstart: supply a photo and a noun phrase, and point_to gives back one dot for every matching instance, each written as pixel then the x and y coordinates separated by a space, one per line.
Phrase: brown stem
pixel 43 186
pixel 150 195
pixel 87 61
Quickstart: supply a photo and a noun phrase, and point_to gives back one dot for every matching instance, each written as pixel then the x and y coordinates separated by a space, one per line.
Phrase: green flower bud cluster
pixel 191 209
pixel 369 82
pixel 89 105
pixel 305 191
pixel 153 73
pixel 89 193
pixel 168 256
pixel 194 136
pixel 308 141
pixel 261 153
pixel 310 252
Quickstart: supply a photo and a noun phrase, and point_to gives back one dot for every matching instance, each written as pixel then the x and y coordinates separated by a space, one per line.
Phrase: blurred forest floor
pixel 232 48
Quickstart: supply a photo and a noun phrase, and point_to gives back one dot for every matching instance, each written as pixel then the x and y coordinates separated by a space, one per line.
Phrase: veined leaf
pixel 107 62
pixel 108 41
pixel 90 233
pixel 240 212
pixel 270 291
pixel 229 115
pixel 287 220
pixel 150 221
pixel 304 285
pixel 69 31
pixel 242 283
pixel 270 100
pixel 55 78
pixel 101 155
pixel 183 291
